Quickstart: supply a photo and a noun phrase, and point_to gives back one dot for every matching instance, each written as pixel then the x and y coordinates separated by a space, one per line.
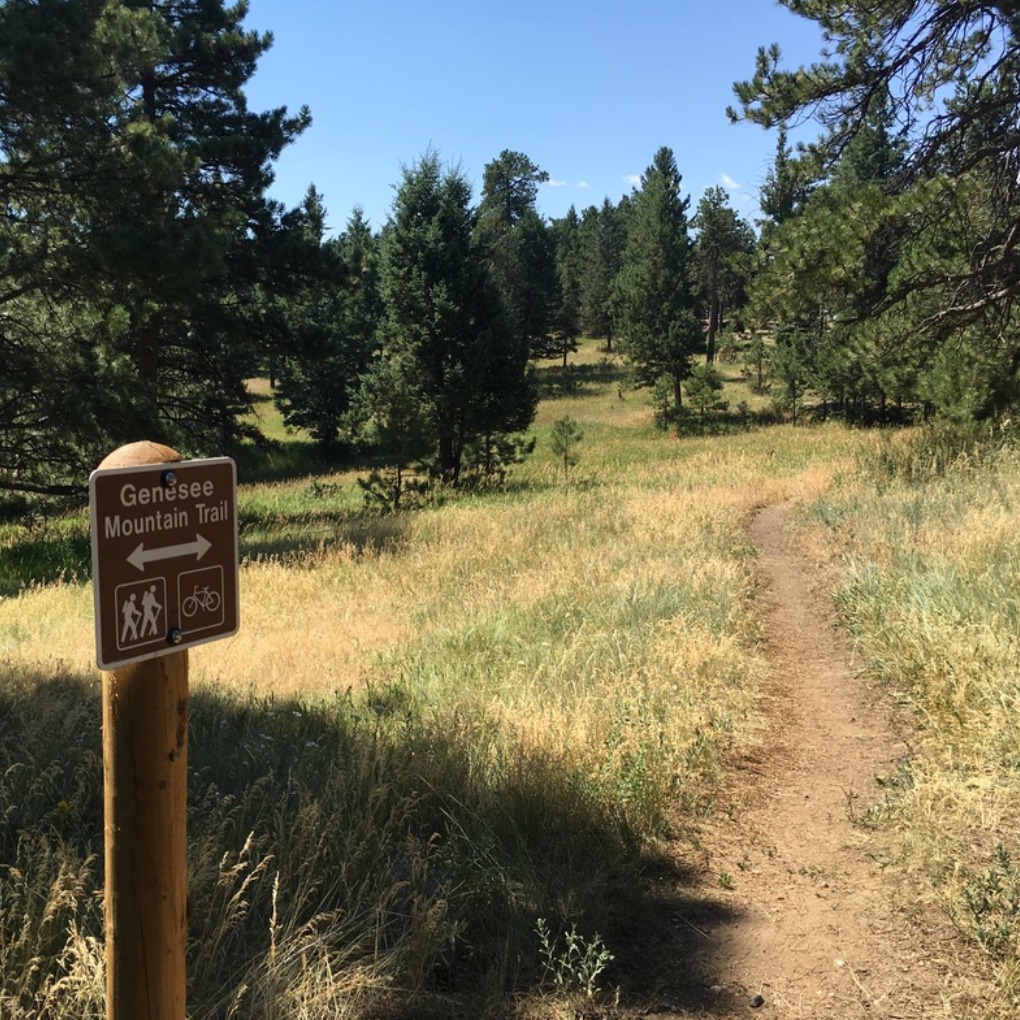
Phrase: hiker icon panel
pixel 141 612
pixel 200 599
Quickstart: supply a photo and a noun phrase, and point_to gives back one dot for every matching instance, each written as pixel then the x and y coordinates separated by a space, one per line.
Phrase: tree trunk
pixel 149 94
pixel 714 318
pixel 449 461
pixel 147 354
pixel 147 366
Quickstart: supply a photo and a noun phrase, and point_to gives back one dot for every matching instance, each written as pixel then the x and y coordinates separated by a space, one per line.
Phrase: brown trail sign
pixel 164 557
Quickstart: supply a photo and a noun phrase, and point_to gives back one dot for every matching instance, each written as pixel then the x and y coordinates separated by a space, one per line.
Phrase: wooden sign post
pixel 145 765
pixel 164 574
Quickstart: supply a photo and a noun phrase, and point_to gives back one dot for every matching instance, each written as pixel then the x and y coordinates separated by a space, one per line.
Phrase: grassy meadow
pixel 452 762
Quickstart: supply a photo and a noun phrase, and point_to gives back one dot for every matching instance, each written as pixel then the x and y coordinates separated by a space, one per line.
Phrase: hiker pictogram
pixel 151 609
pixel 129 611
pixel 142 611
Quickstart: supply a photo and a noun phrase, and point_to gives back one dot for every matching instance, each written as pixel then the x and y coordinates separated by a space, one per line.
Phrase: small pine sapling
pixel 566 434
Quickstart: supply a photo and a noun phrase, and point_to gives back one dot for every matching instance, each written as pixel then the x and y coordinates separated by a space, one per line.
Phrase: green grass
pixel 44 553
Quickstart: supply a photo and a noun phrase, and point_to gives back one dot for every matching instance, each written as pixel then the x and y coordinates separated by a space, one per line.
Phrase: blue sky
pixel 588 90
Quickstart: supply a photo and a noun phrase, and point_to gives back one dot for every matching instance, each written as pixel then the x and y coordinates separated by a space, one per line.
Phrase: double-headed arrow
pixel 141 556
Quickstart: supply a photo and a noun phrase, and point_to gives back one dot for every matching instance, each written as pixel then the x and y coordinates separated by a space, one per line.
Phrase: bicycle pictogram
pixel 200 595
pixel 202 598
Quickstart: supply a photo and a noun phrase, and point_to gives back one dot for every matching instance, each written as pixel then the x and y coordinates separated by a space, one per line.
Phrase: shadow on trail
pixel 359 835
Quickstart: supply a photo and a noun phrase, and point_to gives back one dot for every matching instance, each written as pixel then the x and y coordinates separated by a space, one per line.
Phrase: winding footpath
pixel 811 927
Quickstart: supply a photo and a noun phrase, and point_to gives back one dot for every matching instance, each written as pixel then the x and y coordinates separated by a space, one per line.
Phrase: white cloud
pixel 729 183
pixel 583 184
pixel 633 179
pixel 556 184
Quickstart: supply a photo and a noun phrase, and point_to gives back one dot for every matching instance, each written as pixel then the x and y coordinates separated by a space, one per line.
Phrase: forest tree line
pixel 145 274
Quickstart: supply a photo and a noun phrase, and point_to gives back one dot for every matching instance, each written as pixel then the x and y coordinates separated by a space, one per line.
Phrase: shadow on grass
pixel 579 380
pixel 275 460
pixel 692 422
pixel 354 837
pixel 264 535
pixel 44 556
pixel 47 555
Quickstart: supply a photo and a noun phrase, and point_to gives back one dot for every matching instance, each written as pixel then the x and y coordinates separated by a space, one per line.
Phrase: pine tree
pixel 61 78
pixel 788 183
pixel 136 226
pixel 828 272
pixel 603 236
pixel 722 258
pixel 183 263
pixel 565 437
pixel 330 332
pixel 948 75
pixel 445 327
pixel 518 245
pixel 704 386
pixel 567 311
pixel 659 330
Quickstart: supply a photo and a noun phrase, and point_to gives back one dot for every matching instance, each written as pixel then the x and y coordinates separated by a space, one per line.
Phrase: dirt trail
pixel 811 929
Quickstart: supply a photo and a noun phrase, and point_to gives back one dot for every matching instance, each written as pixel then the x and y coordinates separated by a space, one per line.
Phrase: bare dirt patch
pixel 812 926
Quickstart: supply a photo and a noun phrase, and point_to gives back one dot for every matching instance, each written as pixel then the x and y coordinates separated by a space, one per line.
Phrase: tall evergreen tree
pixel 722 258
pixel 61 76
pixel 510 188
pixel 949 76
pixel 829 270
pixel 445 327
pixel 193 245
pixel 567 312
pixel 519 245
pixel 603 236
pixel 331 333
pixel 659 330
pixel 135 227
pixel 788 183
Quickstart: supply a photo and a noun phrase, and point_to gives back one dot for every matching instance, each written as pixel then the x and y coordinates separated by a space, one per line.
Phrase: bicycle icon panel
pixel 200 599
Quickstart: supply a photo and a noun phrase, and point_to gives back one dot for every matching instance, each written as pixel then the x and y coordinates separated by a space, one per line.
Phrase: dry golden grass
pixel 322 620
pixel 925 563
pixel 561 667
